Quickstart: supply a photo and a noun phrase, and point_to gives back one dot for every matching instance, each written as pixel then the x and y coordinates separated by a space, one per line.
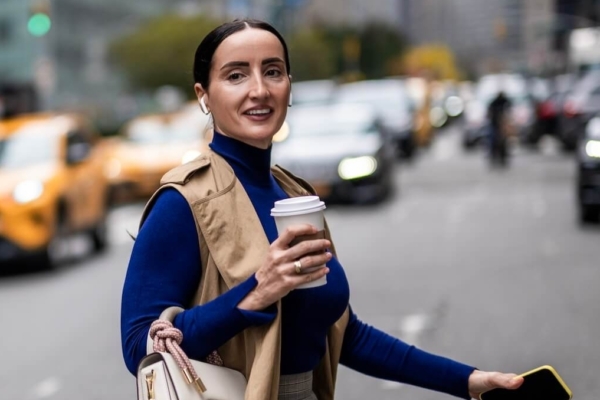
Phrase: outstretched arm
pixel 375 353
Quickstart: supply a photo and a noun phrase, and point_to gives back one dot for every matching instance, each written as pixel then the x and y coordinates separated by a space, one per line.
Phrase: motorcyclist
pixel 498 135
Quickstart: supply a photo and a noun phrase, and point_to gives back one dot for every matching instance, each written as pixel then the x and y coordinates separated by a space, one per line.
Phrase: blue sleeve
pixel 165 270
pixel 375 353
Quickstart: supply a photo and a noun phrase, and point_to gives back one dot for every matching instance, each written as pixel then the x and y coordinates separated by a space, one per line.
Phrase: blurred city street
pixel 489 267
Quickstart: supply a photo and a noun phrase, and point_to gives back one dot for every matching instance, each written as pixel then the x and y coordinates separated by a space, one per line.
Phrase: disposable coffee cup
pixel 297 211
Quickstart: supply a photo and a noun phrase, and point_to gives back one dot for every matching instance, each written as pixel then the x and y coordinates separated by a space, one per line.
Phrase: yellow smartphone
pixel 542 383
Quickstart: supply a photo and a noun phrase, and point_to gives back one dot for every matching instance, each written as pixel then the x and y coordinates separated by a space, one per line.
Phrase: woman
pixel 208 244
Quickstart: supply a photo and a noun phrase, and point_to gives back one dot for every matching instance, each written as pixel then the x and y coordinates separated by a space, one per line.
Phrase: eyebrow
pixel 247 64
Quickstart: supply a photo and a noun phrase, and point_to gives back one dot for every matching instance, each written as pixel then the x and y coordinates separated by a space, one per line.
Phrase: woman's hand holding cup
pixel 288 267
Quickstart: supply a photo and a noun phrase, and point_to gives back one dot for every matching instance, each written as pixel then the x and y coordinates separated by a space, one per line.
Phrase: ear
pixel 200 91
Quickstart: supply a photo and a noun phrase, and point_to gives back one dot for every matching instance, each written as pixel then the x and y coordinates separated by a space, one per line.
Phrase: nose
pixel 259 88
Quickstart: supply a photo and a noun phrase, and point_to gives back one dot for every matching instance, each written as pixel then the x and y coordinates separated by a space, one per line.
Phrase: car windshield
pixel 32 144
pixel 380 96
pixel 324 122
pixel 158 132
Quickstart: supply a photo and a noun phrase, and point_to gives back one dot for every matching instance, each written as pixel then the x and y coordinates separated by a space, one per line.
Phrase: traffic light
pixel 39 22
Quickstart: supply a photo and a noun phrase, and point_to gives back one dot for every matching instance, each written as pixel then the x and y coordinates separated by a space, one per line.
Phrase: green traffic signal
pixel 39 24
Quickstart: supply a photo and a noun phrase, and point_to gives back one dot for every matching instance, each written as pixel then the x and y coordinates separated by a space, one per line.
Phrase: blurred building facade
pixel 67 65
pixel 289 15
pixel 230 9
pixel 283 14
pixel 352 12
pixel 573 14
pixel 487 35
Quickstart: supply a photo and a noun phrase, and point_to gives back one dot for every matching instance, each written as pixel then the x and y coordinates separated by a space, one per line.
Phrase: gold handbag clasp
pixel 150 385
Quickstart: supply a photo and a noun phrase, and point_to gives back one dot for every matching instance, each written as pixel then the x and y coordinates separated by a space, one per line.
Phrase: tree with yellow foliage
pixel 434 60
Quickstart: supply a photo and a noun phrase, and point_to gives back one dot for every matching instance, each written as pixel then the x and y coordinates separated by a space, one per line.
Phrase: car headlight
pixel 592 148
pixel 437 117
pixel 454 106
pixel 189 156
pixel 357 167
pixel 112 168
pixel 28 191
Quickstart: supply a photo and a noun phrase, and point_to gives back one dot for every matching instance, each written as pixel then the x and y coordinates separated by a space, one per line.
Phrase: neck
pixel 251 164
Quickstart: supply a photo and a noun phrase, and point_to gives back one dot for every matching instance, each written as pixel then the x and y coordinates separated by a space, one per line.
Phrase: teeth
pixel 258 112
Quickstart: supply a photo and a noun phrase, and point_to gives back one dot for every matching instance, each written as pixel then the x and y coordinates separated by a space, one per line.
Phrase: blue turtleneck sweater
pixel 164 270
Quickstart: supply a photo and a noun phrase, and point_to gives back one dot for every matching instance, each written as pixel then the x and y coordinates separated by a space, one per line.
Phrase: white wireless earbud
pixel 203 106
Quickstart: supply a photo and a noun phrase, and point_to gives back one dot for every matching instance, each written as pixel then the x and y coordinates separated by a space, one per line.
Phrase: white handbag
pixel 167 374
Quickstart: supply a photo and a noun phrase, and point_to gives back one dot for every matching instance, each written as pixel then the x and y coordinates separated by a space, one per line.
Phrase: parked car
pixel 150 145
pixel 549 99
pixel 342 150
pixel 476 122
pixel 52 187
pixel 588 177
pixel 581 104
pixel 390 99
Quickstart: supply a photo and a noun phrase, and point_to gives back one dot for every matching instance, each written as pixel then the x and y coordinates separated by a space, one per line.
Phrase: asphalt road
pixel 487 267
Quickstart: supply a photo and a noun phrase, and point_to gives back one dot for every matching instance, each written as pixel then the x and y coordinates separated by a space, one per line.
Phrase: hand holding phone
pixel 542 383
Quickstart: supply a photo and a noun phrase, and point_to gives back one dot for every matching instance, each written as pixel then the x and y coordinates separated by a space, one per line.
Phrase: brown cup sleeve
pixel 298 239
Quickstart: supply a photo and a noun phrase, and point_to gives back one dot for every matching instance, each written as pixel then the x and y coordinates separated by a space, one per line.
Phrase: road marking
pixel 123 222
pixel 46 388
pixel 411 328
pixel 122 235
pixel 444 148
pixel 548 146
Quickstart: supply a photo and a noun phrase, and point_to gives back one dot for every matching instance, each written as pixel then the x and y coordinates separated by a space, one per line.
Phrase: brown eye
pixel 236 76
pixel 274 72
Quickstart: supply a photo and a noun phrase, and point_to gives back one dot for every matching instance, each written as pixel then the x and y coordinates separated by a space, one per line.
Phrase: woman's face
pixel 249 87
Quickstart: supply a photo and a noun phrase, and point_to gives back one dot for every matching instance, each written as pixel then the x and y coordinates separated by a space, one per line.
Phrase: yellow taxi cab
pixel 52 187
pixel 150 145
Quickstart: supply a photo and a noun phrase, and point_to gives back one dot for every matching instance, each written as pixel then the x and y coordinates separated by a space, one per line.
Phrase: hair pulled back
pixel 210 43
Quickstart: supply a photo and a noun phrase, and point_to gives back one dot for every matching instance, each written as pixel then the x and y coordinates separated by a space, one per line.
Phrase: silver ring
pixel 298 266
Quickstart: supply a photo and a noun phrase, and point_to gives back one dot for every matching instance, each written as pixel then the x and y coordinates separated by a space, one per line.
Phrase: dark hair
pixel 210 43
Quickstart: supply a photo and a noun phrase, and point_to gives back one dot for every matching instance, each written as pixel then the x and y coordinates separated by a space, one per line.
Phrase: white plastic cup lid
pixel 297 206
